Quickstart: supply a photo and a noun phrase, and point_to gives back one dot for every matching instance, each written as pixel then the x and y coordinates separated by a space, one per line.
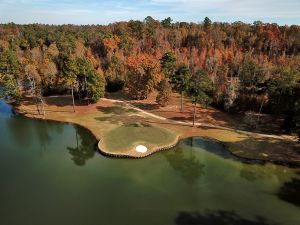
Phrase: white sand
pixel 141 149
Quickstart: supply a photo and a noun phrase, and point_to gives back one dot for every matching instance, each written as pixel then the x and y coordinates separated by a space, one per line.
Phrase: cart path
pixel 206 125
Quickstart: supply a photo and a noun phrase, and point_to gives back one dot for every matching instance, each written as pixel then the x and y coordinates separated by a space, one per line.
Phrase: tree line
pixel 234 66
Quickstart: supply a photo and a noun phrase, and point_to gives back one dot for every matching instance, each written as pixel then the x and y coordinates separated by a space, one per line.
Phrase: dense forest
pixel 233 66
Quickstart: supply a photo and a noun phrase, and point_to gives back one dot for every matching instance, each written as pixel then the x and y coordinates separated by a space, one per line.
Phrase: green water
pixel 50 174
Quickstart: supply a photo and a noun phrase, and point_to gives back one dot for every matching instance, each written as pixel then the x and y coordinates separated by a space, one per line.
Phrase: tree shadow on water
pixel 290 192
pixel 220 217
pixel 85 147
pixel 219 149
pixel 255 172
pixel 189 167
pixel 26 132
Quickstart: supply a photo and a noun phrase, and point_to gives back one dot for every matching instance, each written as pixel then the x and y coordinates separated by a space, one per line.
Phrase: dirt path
pixel 205 125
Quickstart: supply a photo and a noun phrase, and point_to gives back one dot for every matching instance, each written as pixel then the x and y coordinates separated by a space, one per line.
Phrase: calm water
pixel 50 174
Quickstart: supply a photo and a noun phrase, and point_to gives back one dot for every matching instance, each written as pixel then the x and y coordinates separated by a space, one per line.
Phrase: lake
pixel 52 174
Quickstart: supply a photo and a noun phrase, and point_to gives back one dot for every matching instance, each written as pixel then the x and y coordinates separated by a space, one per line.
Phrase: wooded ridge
pixel 236 67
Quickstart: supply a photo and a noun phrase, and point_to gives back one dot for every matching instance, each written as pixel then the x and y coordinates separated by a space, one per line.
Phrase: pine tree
pixel 201 90
pixel 207 23
pixel 180 81
pixel 70 72
pixel 168 63
pixel 164 92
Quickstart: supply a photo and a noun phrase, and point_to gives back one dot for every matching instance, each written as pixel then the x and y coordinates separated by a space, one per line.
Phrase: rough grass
pixel 127 136
pixel 266 148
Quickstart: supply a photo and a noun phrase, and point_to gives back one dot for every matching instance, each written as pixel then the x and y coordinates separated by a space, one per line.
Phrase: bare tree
pixel 35 87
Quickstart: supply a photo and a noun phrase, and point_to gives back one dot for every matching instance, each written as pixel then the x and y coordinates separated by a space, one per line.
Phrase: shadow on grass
pixel 182 118
pixel 120 95
pixel 220 217
pixel 167 123
pixel 270 149
pixel 126 120
pixel 35 112
pixel 57 101
pixel 138 124
pixel 146 106
pixel 65 100
pixel 116 110
pixel 267 124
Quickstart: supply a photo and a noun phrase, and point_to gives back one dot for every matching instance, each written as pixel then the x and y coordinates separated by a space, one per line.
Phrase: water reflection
pixel 37 131
pixel 43 131
pixel 289 191
pixel 257 172
pixel 192 177
pixel 17 127
pixel 30 133
pixel 220 217
pixel 85 147
pixel 43 136
pixel 5 109
pixel 218 149
pixel 188 166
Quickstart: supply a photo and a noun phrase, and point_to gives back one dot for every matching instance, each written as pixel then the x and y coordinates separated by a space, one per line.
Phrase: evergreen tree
pixel 10 76
pixel 201 90
pixel 207 23
pixel 168 64
pixel 95 86
pixel 70 71
pixel 180 81
pixel 166 22
pixel 284 97
pixel 164 92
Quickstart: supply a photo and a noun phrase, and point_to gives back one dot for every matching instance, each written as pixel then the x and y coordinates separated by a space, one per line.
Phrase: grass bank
pixel 120 127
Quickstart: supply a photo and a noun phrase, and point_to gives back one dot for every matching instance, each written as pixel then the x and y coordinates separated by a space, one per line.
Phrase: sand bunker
pixel 141 149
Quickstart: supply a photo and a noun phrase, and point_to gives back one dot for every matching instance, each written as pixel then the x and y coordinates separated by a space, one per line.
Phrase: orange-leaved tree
pixel 143 75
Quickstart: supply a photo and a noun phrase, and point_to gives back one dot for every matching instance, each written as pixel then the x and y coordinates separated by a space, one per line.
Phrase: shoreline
pixel 100 148
pixel 140 156
pixel 229 138
pixel 290 164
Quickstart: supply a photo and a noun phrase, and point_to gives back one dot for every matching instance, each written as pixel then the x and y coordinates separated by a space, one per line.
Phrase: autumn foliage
pixel 143 75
